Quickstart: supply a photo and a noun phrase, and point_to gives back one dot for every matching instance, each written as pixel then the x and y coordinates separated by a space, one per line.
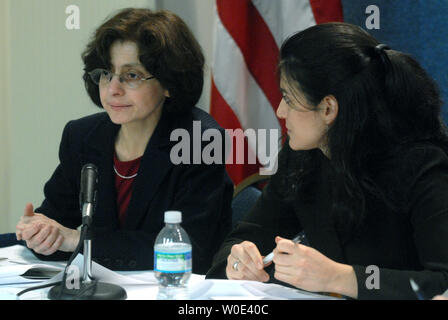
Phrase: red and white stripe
pixel 248 35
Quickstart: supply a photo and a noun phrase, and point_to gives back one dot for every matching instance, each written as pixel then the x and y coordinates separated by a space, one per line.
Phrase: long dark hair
pixel 385 98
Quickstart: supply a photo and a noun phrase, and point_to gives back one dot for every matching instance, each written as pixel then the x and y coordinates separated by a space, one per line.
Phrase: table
pixel 139 285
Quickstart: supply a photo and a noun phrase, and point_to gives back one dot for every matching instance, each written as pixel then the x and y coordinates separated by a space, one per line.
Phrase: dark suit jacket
pixel 411 242
pixel 202 192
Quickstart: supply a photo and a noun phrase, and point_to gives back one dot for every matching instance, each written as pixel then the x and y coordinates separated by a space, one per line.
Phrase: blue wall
pixel 418 27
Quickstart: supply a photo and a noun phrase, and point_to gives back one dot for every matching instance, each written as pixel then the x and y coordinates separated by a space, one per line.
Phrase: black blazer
pixel 409 242
pixel 202 192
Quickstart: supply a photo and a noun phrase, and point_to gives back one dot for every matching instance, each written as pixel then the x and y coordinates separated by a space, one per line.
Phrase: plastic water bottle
pixel 172 258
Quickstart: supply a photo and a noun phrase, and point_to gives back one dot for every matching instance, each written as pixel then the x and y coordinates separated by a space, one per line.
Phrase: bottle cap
pixel 173 217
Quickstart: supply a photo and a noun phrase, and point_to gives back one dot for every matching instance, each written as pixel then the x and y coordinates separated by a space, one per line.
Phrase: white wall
pixel 44 90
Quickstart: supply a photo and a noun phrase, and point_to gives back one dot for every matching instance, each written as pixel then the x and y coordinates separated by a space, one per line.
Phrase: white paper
pixel 16 270
pixel 18 260
pixel 278 292
pixel 7 293
pixel 105 275
pixel 248 290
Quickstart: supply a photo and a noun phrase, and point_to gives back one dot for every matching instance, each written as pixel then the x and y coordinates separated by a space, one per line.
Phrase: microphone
pixel 87 194
pixel 89 289
pixel 87 202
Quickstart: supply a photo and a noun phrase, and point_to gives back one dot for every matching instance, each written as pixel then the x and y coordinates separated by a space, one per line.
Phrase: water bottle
pixel 172 258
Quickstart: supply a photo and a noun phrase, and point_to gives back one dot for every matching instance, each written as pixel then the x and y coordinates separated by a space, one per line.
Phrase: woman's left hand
pixel 45 235
pixel 308 269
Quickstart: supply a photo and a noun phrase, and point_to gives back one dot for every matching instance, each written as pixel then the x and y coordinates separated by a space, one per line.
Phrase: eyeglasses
pixel 132 79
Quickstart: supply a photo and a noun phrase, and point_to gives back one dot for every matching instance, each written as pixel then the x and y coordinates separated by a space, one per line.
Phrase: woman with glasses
pixel 363 175
pixel 145 69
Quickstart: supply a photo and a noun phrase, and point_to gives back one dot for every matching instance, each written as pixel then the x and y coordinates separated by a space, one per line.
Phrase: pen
pixel 297 239
pixel 420 295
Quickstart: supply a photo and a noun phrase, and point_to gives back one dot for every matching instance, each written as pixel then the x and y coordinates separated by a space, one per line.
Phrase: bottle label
pixel 172 262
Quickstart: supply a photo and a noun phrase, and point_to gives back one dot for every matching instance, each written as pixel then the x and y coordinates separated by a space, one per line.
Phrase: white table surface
pixel 139 285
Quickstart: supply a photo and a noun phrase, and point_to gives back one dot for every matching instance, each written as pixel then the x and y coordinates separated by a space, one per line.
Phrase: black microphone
pixel 87 194
pixel 88 287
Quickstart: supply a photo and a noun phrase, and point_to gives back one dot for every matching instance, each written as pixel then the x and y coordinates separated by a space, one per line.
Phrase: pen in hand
pixel 418 292
pixel 297 239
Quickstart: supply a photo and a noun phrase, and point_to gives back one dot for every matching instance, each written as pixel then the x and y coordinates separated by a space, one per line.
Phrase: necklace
pixel 124 177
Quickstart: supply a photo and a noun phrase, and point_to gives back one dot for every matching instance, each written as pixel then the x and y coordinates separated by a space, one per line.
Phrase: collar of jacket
pixel 106 130
pixel 154 167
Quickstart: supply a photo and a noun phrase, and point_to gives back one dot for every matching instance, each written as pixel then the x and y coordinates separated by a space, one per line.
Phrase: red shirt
pixel 123 186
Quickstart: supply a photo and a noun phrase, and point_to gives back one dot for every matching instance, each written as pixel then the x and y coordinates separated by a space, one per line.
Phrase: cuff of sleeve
pixel 57 256
pixel 368 286
pixel 217 271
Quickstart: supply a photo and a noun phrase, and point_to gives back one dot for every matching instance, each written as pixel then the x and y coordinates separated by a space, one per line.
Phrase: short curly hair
pixel 167 49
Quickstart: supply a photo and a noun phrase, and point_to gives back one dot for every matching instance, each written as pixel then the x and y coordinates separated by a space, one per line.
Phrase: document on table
pixel 106 275
pixel 249 290
pixel 22 274
pixel 19 266
pixel 19 259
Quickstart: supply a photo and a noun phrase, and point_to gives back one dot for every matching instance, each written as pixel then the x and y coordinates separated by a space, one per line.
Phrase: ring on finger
pixel 235 265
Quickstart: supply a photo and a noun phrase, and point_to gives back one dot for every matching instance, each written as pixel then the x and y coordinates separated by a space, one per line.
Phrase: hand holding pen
pixel 245 262
pixel 297 239
pixel 298 265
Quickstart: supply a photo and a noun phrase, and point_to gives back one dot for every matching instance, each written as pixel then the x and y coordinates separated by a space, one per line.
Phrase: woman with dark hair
pixel 363 175
pixel 145 69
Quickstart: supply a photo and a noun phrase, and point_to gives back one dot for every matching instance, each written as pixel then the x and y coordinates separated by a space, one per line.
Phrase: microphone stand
pixel 87 269
pixel 89 288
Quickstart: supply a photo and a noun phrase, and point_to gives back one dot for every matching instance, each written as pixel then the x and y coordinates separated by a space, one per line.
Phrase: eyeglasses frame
pixel 120 78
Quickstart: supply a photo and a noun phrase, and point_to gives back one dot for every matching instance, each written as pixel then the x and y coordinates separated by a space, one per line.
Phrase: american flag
pixel 248 34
